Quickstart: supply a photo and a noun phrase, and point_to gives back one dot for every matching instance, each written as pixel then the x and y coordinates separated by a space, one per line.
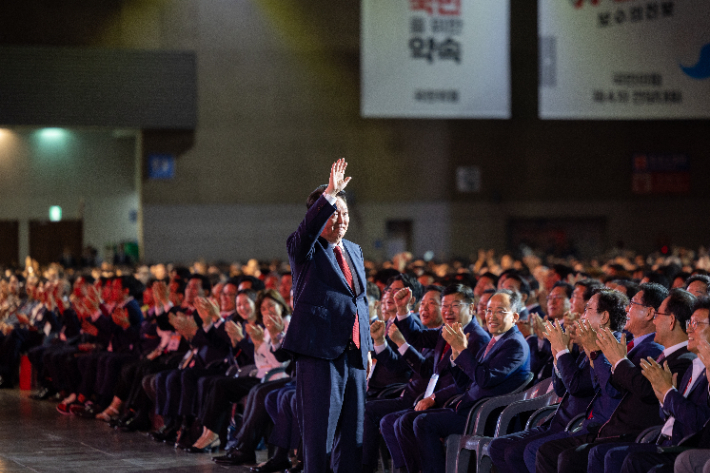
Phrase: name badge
pixel 174 343
pixel 431 386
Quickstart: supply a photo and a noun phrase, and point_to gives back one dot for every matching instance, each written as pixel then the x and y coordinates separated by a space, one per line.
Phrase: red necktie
pixel 629 346
pixel 349 278
pixel 690 381
pixel 488 348
pixel 446 348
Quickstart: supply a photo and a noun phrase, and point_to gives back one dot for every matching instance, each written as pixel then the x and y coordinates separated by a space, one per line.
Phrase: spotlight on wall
pixel 52 134
pixel 55 213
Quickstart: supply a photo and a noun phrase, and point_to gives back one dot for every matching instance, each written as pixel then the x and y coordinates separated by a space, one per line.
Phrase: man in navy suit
pixel 498 369
pixel 614 400
pixel 684 404
pixel 398 428
pixel 329 333
pixel 421 365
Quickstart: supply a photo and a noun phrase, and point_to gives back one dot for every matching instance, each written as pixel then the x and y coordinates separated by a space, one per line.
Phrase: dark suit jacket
pixel 325 306
pixel 574 385
pixel 690 413
pixel 503 369
pixel 122 340
pixel 638 408
pixel 421 366
pixel 540 359
pixel 422 338
pixel 396 370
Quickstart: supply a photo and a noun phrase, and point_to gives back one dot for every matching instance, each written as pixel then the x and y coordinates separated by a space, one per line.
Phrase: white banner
pixel 624 59
pixel 435 58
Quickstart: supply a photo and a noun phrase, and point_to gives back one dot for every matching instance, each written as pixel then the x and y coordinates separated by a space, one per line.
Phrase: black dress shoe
pixel 236 457
pixel 166 433
pixel 272 465
pixel 298 467
pixel 136 423
pixel 213 447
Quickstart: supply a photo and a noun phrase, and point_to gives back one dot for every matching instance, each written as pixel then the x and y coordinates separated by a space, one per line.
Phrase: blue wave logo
pixel 701 70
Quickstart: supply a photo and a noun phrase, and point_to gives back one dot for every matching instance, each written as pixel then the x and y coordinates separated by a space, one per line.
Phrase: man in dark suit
pixel 457 301
pixel 638 408
pixel 498 369
pixel 329 332
pixel 397 371
pixel 684 409
pixel 421 365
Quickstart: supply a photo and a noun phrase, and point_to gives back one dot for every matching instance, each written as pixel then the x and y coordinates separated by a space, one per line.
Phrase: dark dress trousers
pixel 330 370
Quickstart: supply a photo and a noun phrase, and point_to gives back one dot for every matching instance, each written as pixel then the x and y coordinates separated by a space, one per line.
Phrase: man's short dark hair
pixel 256 283
pixel 465 291
pixel 562 270
pixel 658 278
pixel 613 302
pixel 523 283
pixel 204 282
pixel 589 286
pixel 680 304
pixel 631 287
pixel 566 286
pixel 411 282
pixel 699 277
pixel 373 291
pixel 434 288
pixel 315 195
pixel 702 302
pixel 490 276
pixel 516 302
pixel 653 294
pixel 385 275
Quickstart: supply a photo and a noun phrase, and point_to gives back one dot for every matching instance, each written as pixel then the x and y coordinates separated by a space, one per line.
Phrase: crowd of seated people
pixel 193 358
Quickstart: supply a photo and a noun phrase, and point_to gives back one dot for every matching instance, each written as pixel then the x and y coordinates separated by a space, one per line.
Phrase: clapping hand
pixel 660 378
pixel 274 323
pixel 337 181
pixel 161 293
pixel 377 332
pixel 537 325
pixel 586 336
pixel 559 339
pixel 207 310
pixel 235 332
pixel 613 350
pixel 89 328
pixel 256 334
pixel 454 336
pixel 120 317
pixel 704 354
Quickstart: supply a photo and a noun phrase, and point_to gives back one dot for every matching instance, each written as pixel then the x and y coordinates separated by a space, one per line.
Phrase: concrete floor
pixel 34 437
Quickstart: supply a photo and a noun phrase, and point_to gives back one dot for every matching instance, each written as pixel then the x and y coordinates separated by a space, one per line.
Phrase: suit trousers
pixel 256 421
pixel 281 406
pixel 508 452
pixel 430 428
pixel 388 430
pixel 375 410
pixel 570 454
pixel 648 461
pixel 330 395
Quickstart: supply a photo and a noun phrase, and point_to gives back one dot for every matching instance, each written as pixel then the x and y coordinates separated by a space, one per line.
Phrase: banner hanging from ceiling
pixel 624 59
pixel 435 58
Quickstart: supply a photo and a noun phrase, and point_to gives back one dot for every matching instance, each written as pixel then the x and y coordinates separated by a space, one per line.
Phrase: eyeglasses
pixel 590 309
pixel 456 306
pixel 663 313
pixel 498 313
pixel 692 324
pixel 632 303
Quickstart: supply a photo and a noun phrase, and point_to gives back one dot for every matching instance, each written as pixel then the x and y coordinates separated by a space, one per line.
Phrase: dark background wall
pixel 278 100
